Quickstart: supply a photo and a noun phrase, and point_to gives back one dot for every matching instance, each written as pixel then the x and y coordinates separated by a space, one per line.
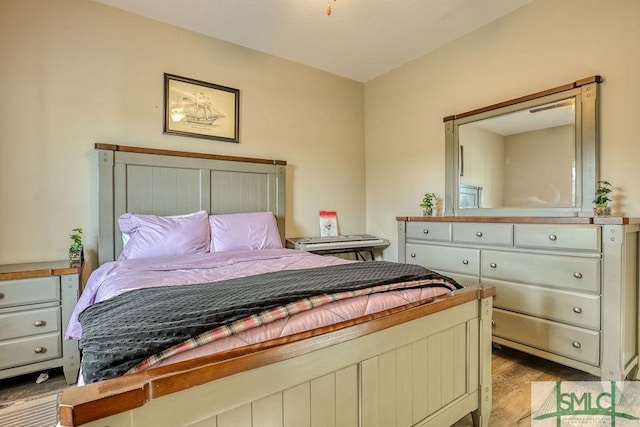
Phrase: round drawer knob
pixel 465 261
pixel 576 344
pixel 425 231
pixel 40 350
pixel 413 255
pixel 1 295
pixel 577 275
pixel 39 323
pixel 577 310
pixel 479 233
pixel 553 237
pixel 493 265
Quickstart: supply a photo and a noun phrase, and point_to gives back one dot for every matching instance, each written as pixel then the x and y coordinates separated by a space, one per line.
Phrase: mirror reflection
pixel 536 155
pixel 522 159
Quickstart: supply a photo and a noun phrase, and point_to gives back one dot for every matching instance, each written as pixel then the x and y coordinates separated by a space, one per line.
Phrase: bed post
pixel 481 415
pixel 402 238
pixel 106 248
pixel 280 207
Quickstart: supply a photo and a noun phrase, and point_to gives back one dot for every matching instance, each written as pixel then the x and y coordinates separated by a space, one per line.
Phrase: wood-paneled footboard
pixel 428 365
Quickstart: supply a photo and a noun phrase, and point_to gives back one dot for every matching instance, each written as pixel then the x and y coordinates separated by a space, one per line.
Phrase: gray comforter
pixel 124 330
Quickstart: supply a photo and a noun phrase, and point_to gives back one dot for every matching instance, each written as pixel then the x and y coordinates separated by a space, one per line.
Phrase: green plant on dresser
pixel 428 203
pixel 76 250
pixel 602 199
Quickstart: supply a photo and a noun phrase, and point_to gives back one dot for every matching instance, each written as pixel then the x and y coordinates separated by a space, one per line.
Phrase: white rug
pixel 39 412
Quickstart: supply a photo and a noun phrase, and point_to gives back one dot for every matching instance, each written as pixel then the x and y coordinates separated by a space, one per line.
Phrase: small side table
pixel 357 244
pixel 36 301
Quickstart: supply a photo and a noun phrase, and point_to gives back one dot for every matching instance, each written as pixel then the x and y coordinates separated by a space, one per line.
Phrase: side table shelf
pixel 36 301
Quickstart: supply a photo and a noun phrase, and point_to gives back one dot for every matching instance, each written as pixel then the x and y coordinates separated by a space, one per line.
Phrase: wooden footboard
pixel 428 365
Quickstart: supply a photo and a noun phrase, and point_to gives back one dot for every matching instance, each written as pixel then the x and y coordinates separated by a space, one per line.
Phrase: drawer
pixel 479 233
pixel 423 230
pixel 29 291
pixel 24 351
pixel 565 340
pixel 575 237
pixel 569 307
pixel 567 272
pixel 29 322
pixel 445 258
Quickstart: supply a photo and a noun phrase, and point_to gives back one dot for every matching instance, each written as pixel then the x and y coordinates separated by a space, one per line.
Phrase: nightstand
pixel 356 244
pixel 36 301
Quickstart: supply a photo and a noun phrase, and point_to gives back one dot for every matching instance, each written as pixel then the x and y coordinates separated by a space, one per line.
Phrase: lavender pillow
pixel 244 231
pixel 153 236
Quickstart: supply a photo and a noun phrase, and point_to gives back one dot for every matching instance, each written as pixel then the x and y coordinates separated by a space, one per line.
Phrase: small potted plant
pixel 76 253
pixel 428 204
pixel 602 199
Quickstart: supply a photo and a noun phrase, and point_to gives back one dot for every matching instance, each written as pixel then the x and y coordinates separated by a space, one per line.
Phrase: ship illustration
pixel 197 109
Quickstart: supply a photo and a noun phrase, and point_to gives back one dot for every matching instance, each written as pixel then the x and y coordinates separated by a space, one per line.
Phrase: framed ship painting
pixel 200 109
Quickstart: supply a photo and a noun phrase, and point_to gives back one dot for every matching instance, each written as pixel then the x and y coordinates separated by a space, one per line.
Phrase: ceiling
pixel 360 40
pixel 546 116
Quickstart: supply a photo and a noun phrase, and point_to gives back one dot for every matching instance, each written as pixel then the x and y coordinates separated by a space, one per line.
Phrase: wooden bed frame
pixel 425 365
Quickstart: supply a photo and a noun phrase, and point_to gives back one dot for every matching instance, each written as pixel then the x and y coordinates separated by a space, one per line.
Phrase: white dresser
pixel 36 301
pixel 567 288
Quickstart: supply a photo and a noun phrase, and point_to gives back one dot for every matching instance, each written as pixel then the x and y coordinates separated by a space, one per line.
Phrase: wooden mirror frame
pixel 585 92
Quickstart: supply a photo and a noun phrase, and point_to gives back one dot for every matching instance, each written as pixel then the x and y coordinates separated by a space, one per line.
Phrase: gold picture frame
pixel 201 110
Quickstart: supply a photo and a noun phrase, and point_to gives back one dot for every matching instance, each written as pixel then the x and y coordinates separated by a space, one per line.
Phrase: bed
pixel 422 360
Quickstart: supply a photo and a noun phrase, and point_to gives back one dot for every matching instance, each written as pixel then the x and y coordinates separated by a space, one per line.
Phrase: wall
pixel 550 182
pixel 546 43
pixel 76 72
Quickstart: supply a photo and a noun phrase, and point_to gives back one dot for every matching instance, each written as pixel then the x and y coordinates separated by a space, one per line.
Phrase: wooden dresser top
pixel 37 269
pixel 525 220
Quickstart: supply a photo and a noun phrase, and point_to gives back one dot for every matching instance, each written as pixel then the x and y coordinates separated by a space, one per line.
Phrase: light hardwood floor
pixel 513 372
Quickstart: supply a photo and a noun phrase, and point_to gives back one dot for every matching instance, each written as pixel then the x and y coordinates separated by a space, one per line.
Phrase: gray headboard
pixel 163 182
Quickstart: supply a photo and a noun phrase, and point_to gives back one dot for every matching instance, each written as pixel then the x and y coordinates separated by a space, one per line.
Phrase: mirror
pixel 532 156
